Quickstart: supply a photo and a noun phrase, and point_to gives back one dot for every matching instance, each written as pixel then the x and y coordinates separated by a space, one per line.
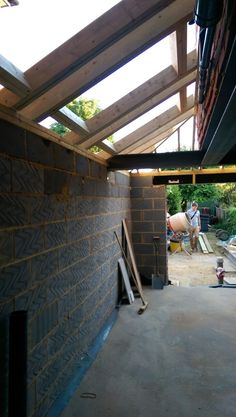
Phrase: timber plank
pixel 132 257
pixel 155 127
pixel 202 244
pixel 13 78
pixel 59 93
pixel 136 103
pixel 207 243
pixel 144 144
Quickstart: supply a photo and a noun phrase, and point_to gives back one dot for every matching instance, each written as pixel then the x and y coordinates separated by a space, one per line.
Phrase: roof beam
pixel 69 119
pixel 178 123
pixel 84 46
pixel 11 116
pixel 176 172
pixel 108 147
pixel 178 47
pixel 13 78
pixel 88 43
pixel 149 147
pixel 150 140
pixel 151 129
pixel 137 102
pixel 108 59
pixel 155 160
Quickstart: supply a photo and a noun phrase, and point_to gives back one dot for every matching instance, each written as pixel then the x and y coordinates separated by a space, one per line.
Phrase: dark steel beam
pixel 215 178
pixel 225 135
pixel 194 179
pixel 182 159
pixel 230 158
pixel 225 92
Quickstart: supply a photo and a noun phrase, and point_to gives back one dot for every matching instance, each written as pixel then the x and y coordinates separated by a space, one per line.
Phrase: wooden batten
pixel 142 144
pixel 17 119
pixel 69 119
pixel 137 102
pixel 111 57
pixel 13 78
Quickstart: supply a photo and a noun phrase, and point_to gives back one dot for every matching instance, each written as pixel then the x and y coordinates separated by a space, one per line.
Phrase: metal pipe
pixel 207 15
pixel 208 12
pixel 204 63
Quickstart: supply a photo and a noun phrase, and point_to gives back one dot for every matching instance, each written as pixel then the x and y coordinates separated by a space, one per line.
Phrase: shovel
pixel 157 279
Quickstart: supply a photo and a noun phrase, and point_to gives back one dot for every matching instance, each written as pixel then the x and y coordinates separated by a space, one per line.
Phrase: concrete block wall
pixel 58 256
pixel 148 215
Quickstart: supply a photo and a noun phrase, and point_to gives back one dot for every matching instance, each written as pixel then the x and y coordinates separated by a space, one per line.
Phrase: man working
pixel 194 216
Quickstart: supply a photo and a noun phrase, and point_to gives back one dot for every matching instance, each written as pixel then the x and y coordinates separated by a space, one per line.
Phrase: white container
pixel 179 222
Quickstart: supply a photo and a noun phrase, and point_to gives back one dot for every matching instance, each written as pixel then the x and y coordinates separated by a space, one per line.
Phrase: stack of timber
pixel 231 254
pixel 204 243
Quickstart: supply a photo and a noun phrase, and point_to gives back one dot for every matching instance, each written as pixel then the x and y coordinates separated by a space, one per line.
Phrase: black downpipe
pixel 204 62
pixel 208 12
pixel 17 393
pixel 207 15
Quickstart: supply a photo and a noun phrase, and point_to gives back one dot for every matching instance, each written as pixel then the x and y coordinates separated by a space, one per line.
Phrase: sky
pixel 34 28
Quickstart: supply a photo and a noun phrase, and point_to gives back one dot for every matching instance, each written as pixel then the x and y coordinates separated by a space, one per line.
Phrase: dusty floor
pixel 175 360
pixel 199 268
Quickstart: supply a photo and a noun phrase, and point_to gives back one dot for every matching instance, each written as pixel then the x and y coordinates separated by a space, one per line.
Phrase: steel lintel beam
pixel 223 97
pixel 225 135
pixel 182 159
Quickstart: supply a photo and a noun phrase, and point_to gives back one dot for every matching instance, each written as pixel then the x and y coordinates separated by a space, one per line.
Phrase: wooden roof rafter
pixel 161 138
pixel 63 82
pixel 145 97
pixel 178 49
pixel 148 132
pixel 136 25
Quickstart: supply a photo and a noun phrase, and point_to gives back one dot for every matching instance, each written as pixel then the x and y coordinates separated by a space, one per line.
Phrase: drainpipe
pixel 207 14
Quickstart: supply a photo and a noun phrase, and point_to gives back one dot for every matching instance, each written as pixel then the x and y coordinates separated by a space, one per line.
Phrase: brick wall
pixel 222 43
pixel 58 256
pixel 148 214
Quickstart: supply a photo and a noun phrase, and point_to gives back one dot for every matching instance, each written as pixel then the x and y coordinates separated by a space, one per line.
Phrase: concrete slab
pixel 175 360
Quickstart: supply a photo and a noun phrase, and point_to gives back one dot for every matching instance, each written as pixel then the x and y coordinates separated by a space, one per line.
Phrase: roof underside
pixel 114 39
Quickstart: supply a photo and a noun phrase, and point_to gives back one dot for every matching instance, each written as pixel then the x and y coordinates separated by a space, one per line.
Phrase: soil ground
pixel 199 268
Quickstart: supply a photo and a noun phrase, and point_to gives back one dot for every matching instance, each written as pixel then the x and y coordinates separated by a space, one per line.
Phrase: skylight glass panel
pixel 169 145
pixel 48 122
pixel 191 37
pixel 33 29
pixel 191 89
pixel 147 117
pixel 131 75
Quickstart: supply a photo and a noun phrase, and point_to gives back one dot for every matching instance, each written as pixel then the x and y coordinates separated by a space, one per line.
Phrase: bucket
pixel 179 222
pixel 175 246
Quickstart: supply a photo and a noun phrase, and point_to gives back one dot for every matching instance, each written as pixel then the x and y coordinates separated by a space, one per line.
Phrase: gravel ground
pixel 199 268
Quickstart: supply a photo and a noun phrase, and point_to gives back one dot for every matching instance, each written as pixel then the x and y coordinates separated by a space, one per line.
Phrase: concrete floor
pixel 178 359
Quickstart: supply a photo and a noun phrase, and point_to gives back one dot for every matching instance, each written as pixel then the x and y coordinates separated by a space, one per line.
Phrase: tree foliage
pixel 199 193
pixel 84 108
pixel 179 195
pixel 227 194
pixel 173 199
